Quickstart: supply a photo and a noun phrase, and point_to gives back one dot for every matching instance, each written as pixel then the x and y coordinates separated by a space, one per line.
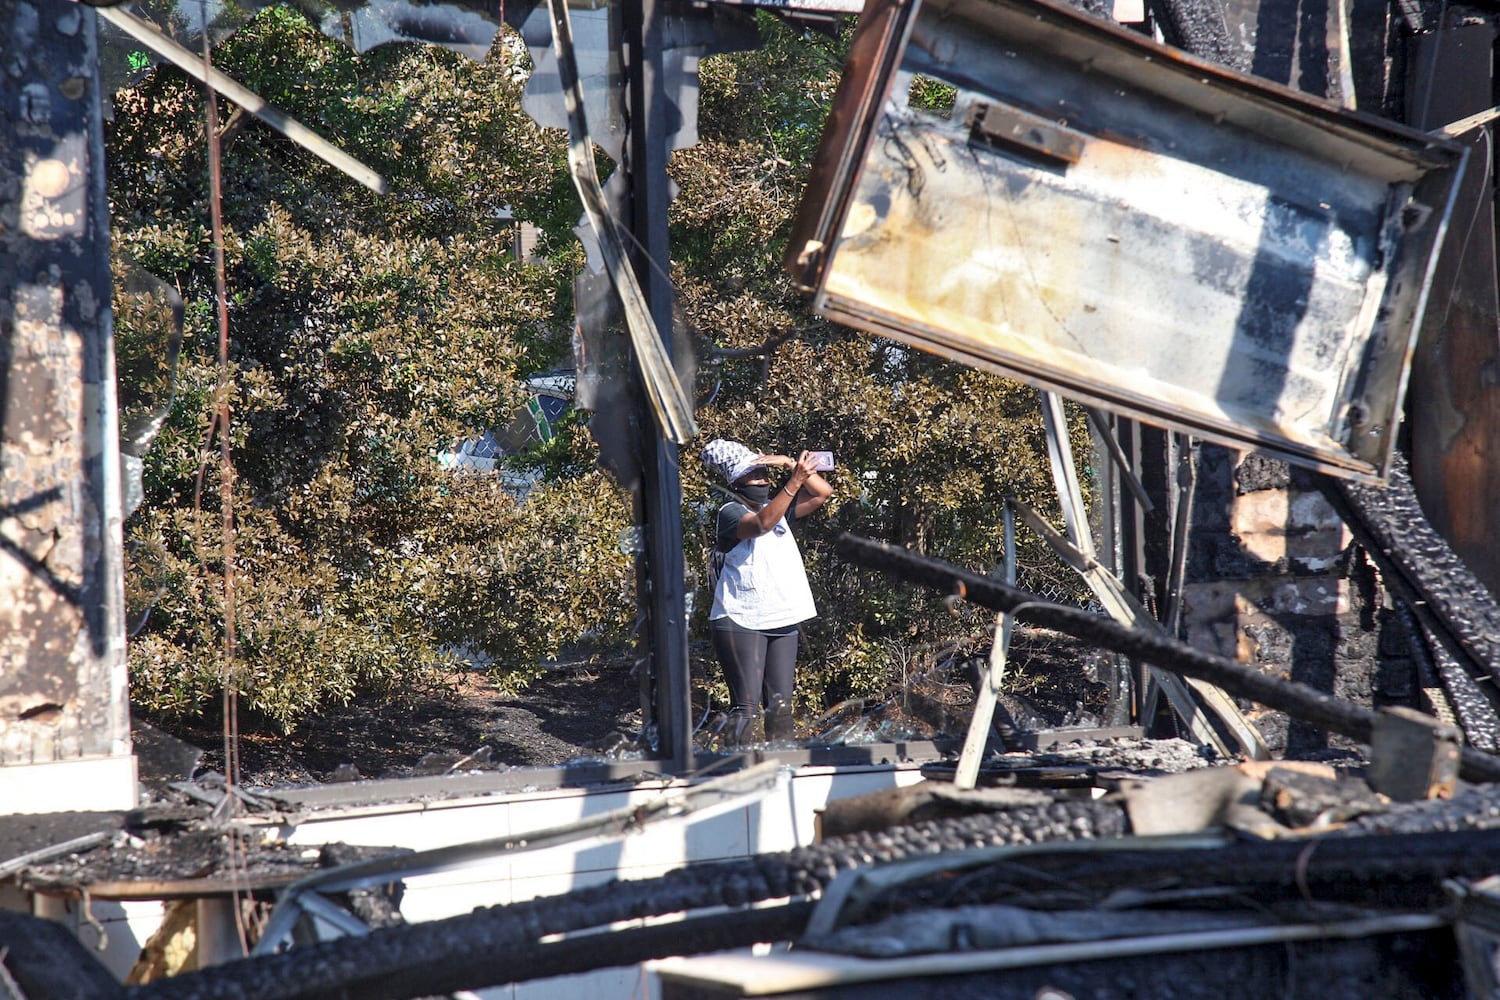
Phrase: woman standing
pixel 762 595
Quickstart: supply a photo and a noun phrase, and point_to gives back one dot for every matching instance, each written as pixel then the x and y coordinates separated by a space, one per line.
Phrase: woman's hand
pixel 805 489
pixel 804 468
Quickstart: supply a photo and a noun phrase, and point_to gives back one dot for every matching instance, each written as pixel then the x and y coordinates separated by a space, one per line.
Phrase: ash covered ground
pixel 589 706
pixel 576 709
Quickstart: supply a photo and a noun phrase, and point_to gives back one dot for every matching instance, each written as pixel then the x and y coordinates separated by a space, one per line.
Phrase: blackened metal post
pixel 661 486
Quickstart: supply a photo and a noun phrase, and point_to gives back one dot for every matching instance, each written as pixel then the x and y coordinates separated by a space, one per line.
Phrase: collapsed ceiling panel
pixel 1110 218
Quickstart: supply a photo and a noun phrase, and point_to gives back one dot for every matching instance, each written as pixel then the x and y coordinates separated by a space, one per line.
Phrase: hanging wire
pixel 220 425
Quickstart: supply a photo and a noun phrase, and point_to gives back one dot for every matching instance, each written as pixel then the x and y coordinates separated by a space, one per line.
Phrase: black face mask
pixel 756 494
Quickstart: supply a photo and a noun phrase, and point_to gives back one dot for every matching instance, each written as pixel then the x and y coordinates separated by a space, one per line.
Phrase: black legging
pixel 760 668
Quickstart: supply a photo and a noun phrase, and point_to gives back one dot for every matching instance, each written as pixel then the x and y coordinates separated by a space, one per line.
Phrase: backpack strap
pixel 720 514
pixel 716 556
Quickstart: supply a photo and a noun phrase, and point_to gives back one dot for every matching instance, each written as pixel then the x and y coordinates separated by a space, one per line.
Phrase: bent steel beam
pixel 148 35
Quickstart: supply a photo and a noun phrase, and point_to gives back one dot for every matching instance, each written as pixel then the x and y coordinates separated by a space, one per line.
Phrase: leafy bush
pixel 367 334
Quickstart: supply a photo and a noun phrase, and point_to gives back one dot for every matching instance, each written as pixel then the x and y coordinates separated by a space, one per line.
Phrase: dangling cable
pixel 220 424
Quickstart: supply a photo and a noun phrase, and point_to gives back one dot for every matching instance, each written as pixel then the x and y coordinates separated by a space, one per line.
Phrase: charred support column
pixel 1453 405
pixel 64 722
pixel 661 486
pixel 1145 539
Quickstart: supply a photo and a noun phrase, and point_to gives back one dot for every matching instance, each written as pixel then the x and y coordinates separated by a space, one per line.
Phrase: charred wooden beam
pixel 1298 700
pixel 1445 594
pixel 62 633
pixel 1396 871
pixel 45 962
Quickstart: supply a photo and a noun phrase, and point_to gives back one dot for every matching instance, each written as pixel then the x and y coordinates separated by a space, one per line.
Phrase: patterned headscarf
pixel 729 459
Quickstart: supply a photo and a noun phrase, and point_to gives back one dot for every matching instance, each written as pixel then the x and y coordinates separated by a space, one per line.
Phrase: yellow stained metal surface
pixel 1081 276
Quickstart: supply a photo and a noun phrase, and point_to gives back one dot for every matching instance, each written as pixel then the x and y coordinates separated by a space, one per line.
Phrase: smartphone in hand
pixel 822 460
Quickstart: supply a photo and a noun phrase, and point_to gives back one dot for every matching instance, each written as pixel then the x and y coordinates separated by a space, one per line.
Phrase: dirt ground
pixel 576 709
pixel 590 706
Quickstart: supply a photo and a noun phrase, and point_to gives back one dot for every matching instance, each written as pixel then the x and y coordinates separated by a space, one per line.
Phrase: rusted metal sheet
pixel 1107 217
pixel 62 643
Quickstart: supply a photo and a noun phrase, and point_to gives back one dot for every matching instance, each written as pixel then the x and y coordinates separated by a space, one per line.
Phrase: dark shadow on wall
pixel 1291 44
pixel 1361 656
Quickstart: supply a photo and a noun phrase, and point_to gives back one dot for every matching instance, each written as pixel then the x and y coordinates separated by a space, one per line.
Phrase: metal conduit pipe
pixel 1299 700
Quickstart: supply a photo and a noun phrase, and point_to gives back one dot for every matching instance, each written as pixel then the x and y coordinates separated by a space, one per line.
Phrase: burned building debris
pixel 1196 252
pixel 1298 863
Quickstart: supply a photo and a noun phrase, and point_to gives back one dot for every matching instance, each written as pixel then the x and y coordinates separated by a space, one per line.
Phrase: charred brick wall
pixel 1275 579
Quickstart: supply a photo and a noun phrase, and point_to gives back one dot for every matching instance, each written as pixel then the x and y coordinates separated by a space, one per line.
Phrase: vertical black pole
pixel 661 487
pixel 1145 538
pixel 1116 540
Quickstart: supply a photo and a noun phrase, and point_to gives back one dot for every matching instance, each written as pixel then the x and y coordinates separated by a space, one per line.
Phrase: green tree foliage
pixel 367 335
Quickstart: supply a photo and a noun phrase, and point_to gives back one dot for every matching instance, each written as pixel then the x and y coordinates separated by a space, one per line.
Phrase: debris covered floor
pixel 1102 868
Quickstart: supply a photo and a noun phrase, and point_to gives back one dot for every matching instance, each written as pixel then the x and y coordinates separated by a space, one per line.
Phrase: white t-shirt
pixel 763 584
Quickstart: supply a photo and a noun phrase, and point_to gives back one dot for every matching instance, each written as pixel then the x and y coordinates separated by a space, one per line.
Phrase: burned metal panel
pixel 1454 410
pixel 62 644
pixel 1109 218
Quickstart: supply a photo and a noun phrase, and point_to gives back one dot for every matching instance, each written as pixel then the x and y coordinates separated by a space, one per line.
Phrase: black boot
pixel 778 721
